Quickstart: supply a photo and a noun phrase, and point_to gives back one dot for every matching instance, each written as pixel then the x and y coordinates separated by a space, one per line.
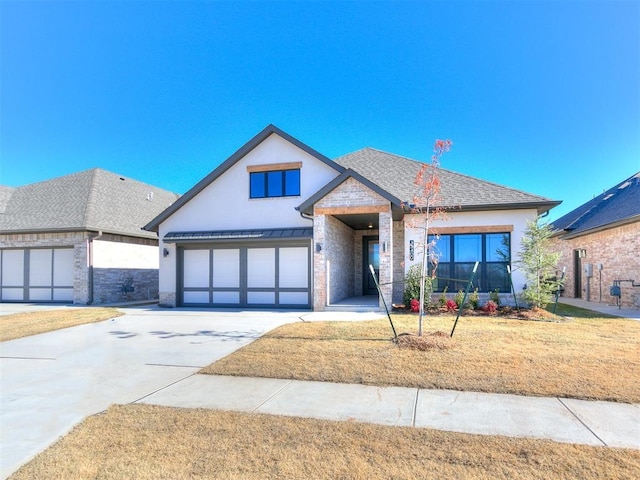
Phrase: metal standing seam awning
pixel 239 235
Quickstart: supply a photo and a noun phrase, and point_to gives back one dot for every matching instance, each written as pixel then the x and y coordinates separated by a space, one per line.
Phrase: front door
pixel 577 274
pixel 371 256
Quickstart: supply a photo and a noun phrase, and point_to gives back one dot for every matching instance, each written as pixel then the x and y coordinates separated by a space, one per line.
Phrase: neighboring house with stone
pixel 78 238
pixel 600 245
pixel 279 225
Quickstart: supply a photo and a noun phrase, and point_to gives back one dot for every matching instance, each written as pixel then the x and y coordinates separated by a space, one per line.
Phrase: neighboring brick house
pixel 600 244
pixel 279 225
pixel 78 238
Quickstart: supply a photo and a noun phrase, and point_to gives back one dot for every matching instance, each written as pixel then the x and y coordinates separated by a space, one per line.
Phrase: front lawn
pixel 149 442
pixel 24 324
pixel 587 358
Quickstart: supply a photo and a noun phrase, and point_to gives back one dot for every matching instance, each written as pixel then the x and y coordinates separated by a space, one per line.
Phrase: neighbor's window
pixel 277 183
pixel 457 254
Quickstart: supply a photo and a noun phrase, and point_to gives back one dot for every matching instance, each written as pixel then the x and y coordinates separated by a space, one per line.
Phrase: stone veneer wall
pixel 618 250
pixel 109 284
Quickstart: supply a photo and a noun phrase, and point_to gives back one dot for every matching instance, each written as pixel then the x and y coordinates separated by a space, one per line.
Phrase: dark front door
pixel 371 256
pixel 577 274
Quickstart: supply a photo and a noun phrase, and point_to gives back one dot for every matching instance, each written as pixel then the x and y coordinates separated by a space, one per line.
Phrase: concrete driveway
pixel 51 382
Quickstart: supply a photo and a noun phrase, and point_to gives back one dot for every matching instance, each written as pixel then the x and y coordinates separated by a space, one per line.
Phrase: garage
pixel 231 272
pixel 36 275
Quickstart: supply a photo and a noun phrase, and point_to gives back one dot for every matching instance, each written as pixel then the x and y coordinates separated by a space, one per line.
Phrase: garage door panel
pixel 261 268
pixel 40 294
pixel 13 294
pixel 196 269
pixel 294 267
pixel 196 297
pixel 227 298
pixel 40 269
pixel 226 268
pixel 294 298
pixel 63 265
pixel 13 267
pixel 62 294
pixel 261 298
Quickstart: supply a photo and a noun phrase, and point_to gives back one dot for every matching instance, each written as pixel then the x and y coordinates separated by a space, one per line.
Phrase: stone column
pixel 319 263
pixel 385 235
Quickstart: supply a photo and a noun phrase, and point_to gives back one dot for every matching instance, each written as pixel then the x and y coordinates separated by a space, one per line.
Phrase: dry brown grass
pixel 584 358
pixel 25 324
pixel 148 442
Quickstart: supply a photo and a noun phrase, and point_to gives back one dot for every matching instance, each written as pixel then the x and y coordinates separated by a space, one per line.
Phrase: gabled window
pixel 274 183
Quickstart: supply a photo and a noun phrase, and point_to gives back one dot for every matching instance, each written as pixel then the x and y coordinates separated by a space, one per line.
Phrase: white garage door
pixel 247 276
pixel 36 275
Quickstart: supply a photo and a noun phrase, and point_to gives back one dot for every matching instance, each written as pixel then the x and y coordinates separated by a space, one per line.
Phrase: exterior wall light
pixel 165 252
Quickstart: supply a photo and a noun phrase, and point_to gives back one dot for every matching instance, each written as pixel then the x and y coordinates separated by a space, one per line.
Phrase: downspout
pixel 310 217
pixel 90 264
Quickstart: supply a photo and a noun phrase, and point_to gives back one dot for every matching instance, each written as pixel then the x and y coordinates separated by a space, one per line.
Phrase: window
pixel 458 253
pixel 276 183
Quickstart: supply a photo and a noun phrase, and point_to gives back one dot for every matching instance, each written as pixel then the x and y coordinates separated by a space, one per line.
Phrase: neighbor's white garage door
pixel 36 275
pixel 247 276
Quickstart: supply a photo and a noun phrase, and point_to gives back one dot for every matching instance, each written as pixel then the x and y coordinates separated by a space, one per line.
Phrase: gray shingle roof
pixel 95 200
pixel 617 205
pixel 396 175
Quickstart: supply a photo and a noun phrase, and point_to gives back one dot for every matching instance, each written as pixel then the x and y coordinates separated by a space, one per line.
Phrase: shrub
pixel 442 301
pixel 490 307
pixel 459 298
pixel 494 296
pixel 474 299
pixel 412 286
pixel 452 306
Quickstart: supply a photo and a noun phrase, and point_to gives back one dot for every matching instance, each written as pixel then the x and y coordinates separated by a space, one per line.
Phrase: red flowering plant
pixel 415 305
pixel 490 307
pixel 452 306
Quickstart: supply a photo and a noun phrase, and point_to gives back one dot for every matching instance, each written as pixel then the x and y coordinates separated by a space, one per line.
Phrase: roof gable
pixel 396 175
pixel 95 200
pixel 230 162
pixel 307 206
pixel 619 204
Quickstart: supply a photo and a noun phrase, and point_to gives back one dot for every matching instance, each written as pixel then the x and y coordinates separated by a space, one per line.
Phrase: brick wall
pixel 618 250
pixel 109 284
pixel 398 262
pixel 342 247
pixel 339 240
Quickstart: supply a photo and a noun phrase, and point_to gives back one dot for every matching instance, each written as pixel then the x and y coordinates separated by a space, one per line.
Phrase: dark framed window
pixel 276 183
pixel 458 253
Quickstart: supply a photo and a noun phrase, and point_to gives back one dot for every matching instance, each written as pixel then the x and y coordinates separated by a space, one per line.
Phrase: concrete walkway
pixel 558 419
pixel 602 308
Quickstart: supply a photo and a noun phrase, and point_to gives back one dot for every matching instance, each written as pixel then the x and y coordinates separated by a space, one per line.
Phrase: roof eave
pixel 541 207
pixel 569 234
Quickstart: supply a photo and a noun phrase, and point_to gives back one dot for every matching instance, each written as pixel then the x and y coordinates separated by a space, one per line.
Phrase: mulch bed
pixel 429 341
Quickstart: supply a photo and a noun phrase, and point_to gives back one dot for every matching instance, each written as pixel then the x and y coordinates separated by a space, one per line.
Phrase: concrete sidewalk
pixel 558 419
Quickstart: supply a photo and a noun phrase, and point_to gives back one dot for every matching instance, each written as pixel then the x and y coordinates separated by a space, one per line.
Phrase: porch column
pixel 319 263
pixel 385 235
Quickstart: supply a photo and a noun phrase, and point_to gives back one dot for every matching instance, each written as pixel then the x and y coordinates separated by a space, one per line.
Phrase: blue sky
pixel 542 96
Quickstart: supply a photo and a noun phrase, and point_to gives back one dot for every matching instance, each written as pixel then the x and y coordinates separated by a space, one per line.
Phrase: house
pixel 599 243
pixel 279 225
pixel 78 238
